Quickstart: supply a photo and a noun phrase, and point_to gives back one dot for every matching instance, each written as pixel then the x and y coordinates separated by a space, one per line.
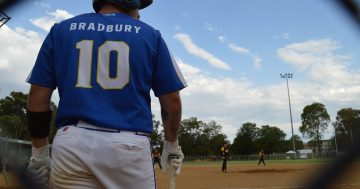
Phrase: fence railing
pixel 14 152
pixel 280 156
pixel 17 152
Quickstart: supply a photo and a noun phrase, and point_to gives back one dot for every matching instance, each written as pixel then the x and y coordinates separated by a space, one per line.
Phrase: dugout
pixel 305 153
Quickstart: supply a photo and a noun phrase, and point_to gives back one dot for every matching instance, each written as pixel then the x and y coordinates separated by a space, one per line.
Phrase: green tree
pixel 315 119
pixel 271 139
pixel 215 137
pixel 13 121
pixel 188 131
pixel 299 144
pixel 216 142
pixel 345 127
pixel 11 126
pixel 13 115
pixel 156 136
pixel 199 138
pixel 245 139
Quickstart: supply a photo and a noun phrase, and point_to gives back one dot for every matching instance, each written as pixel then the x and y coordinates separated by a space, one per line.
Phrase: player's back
pixel 104 69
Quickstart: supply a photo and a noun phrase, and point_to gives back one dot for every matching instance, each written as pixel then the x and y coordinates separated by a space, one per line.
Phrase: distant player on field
pixel 156 158
pixel 261 157
pixel 104 66
pixel 224 155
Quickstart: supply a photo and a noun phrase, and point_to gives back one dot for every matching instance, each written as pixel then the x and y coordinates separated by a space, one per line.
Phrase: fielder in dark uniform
pixel 156 158
pixel 261 157
pixel 224 155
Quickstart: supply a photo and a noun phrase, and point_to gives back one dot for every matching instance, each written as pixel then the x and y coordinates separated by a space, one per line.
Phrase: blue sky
pixel 231 54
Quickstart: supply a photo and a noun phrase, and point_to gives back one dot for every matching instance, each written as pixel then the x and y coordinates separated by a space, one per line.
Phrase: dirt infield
pixel 243 175
pixel 250 175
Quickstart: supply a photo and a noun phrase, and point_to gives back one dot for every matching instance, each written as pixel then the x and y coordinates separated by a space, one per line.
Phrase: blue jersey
pixel 104 66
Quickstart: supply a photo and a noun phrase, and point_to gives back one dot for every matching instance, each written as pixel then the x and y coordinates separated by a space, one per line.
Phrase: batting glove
pixel 173 155
pixel 39 165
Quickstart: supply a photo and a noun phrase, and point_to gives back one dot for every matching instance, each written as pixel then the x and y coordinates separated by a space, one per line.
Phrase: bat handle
pixel 172 178
pixel 172 172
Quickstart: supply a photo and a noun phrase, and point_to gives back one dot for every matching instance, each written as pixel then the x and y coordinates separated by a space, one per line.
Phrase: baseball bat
pixel 172 172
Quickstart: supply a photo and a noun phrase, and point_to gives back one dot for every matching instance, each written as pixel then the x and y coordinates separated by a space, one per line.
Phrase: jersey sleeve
pixel 167 76
pixel 43 73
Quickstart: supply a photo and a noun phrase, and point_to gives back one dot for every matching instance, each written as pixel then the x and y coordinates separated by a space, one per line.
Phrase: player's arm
pixel 39 114
pixel 171 115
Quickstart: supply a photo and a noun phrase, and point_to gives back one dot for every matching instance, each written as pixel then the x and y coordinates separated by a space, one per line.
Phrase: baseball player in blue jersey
pixel 104 65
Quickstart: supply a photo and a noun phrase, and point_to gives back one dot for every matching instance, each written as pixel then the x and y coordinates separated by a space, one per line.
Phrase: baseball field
pixel 248 175
pixel 245 175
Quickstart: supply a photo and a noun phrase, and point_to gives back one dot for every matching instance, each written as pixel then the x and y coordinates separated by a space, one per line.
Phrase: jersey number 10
pixel 103 64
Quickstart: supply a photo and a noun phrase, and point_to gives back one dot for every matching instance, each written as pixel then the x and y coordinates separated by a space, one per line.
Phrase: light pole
pixel 336 146
pixel 287 76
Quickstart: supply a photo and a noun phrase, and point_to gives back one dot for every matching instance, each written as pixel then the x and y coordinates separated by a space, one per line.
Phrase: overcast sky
pixel 230 52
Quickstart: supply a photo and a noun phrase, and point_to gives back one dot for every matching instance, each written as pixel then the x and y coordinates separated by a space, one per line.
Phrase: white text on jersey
pixel 105 28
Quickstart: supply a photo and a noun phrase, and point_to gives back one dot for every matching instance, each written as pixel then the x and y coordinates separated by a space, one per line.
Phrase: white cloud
pixel 210 27
pixel 238 49
pixel 285 35
pixel 232 102
pixel 257 62
pixel 306 54
pixel 328 78
pixel 186 14
pixel 228 101
pixel 42 4
pixel 193 49
pixel 321 62
pixel 222 39
pixel 178 27
pixel 19 49
pixel 47 22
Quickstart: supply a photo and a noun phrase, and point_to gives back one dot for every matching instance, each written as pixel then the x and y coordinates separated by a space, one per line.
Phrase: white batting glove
pixel 39 165
pixel 171 155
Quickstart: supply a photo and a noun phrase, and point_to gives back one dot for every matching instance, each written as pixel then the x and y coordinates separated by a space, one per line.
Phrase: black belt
pixel 87 126
pixel 116 131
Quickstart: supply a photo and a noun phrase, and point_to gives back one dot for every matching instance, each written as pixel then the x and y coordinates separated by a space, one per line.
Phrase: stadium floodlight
pixel 287 76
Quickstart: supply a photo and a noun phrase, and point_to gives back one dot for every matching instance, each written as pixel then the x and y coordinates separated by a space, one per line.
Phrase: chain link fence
pixel 282 156
pixel 14 152
pixel 17 152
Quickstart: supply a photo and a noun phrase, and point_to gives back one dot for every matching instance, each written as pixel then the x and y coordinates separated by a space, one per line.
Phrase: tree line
pixel 206 138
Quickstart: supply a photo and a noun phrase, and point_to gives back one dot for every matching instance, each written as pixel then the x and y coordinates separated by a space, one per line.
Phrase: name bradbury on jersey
pixel 104 27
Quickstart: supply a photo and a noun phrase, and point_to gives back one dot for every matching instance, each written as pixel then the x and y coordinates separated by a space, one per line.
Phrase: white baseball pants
pixel 88 159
